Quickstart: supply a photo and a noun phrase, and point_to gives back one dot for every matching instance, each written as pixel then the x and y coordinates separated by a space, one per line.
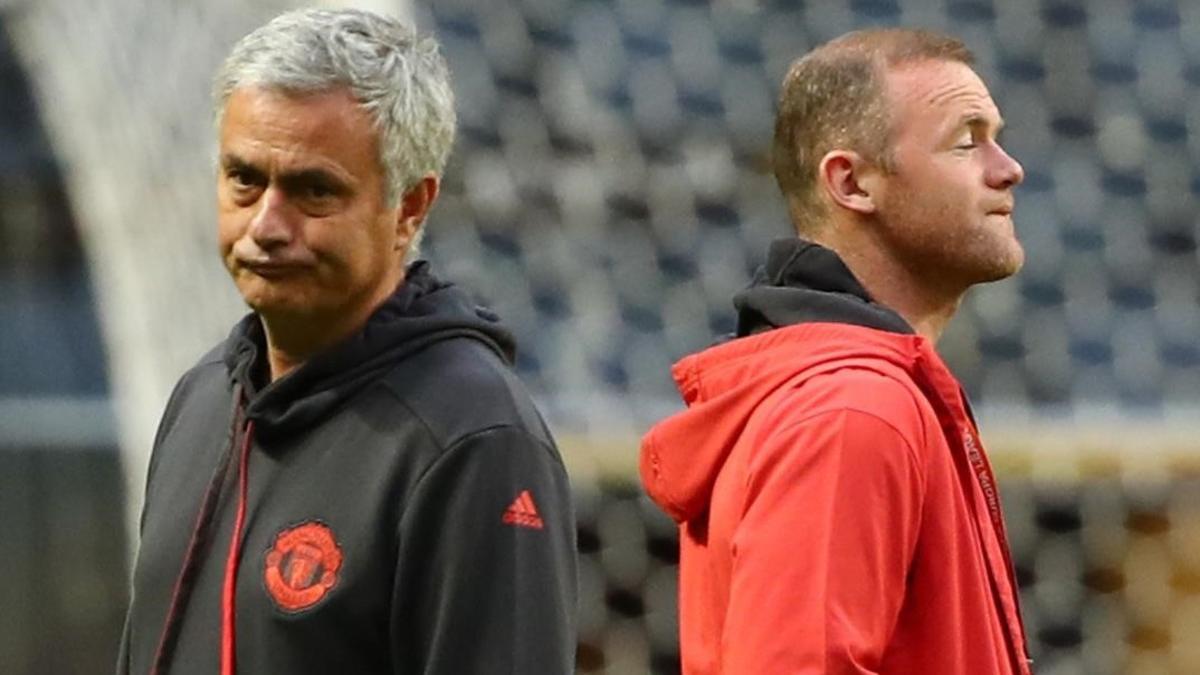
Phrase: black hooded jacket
pixel 400 506
pixel 803 282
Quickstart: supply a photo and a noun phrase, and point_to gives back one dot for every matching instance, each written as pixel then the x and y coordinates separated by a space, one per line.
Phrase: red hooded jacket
pixel 837 510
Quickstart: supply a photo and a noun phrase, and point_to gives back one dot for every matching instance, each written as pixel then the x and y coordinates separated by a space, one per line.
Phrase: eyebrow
pixel 315 176
pixel 232 161
pixel 978 120
pixel 302 176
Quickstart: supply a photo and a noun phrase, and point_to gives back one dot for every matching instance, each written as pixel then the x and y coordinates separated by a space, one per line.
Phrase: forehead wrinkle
pixel 934 82
pixel 295 130
pixel 976 105
pixel 951 91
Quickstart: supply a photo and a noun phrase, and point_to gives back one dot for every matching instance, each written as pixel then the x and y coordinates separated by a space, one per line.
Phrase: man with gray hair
pixel 354 481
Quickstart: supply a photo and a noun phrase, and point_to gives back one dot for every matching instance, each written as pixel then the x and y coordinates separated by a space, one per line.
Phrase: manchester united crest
pixel 302 565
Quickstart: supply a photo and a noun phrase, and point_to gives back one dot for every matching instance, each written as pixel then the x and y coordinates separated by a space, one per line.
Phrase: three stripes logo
pixel 523 513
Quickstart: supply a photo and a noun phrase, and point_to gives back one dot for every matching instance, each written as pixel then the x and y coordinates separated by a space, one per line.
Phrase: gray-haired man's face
pixel 303 223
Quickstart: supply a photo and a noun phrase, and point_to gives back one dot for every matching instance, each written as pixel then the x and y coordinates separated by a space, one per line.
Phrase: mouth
pixel 272 270
pixel 1003 209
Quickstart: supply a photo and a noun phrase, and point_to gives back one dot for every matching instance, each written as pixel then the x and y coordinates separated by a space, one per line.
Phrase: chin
pixel 1003 264
pixel 267 306
pixel 269 300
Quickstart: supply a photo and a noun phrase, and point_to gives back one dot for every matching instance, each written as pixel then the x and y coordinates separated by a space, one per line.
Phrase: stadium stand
pixel 610 192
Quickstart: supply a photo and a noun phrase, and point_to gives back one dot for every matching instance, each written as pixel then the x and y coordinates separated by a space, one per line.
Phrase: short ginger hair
pixel 833 97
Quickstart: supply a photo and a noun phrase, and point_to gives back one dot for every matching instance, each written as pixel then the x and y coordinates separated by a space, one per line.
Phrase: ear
pixel 414 206
pixel 850 181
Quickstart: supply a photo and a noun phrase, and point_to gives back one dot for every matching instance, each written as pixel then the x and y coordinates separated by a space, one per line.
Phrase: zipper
pixel 975 470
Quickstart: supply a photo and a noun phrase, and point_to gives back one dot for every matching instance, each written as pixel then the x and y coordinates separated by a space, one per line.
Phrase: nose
pixel 1006 172
pixel 273 226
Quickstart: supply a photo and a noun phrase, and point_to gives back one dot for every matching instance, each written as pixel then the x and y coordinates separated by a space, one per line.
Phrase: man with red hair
pixel 837 510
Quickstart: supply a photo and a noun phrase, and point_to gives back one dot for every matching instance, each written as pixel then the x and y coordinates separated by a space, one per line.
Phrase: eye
pixel 241 178
pixel 318 190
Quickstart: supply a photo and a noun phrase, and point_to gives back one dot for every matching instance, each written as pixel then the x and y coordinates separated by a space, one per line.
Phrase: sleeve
pixel 822 551
pixel 487 572
pixel 170 412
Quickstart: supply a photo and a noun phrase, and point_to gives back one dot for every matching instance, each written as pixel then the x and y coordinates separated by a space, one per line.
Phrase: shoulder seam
pixel 449 449
pixel 443 444
pixel 912 453
pixel 907 383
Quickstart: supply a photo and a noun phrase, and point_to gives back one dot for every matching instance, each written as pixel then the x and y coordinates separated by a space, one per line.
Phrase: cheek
pixel 379 238
pixel 342 243
pixel 945 191
pixel 229 230
pixel 358 244
pixel 921 211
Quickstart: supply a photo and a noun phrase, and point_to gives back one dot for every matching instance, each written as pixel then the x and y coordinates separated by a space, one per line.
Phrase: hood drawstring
pixel 197 544
pixel 229 589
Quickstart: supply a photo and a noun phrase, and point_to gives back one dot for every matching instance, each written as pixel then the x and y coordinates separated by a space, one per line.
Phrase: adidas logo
pixel 523 513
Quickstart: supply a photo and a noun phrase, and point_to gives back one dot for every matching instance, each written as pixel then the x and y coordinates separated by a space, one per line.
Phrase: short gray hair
pixel 398 76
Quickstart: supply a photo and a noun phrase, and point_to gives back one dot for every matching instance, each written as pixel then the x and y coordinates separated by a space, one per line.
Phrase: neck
pixel 292 341
pixel 927 307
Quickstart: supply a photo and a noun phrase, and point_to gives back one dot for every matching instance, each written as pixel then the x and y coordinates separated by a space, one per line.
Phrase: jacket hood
pixel 804 282
pixel 804 312
pixel 422 311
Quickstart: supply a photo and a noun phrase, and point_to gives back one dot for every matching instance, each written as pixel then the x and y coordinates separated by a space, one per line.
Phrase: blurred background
pixel 608 194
